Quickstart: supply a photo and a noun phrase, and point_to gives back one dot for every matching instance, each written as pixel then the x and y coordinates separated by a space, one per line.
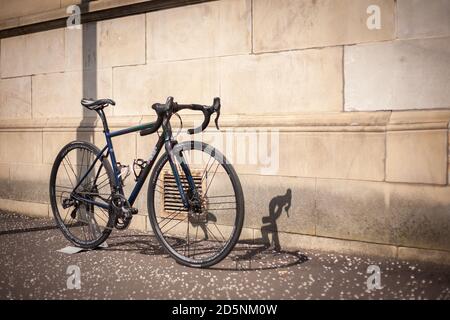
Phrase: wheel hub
pixel 197 212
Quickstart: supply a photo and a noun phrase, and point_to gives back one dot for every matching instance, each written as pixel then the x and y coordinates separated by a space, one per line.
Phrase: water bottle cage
pixel 138 166
pixel 123 175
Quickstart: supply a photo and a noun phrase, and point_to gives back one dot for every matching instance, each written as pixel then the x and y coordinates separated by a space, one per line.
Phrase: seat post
pixel 101 113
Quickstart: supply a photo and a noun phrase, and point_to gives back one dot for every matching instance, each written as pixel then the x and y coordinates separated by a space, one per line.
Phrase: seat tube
pixel 110 148
pixel 113 158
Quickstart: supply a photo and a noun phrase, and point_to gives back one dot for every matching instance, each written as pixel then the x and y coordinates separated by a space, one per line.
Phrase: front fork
pixel 177 155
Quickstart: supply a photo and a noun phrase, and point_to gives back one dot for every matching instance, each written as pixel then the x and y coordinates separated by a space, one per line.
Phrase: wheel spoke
pixel 82 161
pixel 102 184
pixel 91 182
pixel 176 224
pixel 188 243
pixel 71 168
pixel 68 210
pixel 85 223
pixel 68 176
pixel 210 182
pixel 219 231
pixel 161 189
pixel 171 217
pixel 187 237
pixel 213 234
pixel 204 174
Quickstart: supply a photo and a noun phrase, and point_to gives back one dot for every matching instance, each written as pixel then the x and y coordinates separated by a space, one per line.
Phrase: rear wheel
pixel 84 224
pixel 204 235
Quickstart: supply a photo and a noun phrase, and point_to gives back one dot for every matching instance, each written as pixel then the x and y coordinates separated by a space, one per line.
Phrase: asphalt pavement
pixel 135 267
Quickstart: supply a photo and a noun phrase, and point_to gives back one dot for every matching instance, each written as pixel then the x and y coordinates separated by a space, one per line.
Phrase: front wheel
pixel 205 234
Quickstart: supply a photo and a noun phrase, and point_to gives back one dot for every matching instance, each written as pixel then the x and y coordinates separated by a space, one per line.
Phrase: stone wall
pixel 361 115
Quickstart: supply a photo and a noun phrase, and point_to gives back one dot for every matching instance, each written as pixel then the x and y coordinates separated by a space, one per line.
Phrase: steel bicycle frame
pixel 165 139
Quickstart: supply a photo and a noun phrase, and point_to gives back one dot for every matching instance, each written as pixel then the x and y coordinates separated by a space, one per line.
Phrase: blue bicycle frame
pixel 164 139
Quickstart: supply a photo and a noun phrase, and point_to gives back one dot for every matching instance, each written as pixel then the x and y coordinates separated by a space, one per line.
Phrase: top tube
pixel 132 129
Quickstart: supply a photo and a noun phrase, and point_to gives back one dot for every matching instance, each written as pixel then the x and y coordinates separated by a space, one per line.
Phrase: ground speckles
pixel 135 267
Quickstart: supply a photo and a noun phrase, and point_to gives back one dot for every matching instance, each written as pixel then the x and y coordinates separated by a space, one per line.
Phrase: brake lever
pixel 216 108
pixel 217 120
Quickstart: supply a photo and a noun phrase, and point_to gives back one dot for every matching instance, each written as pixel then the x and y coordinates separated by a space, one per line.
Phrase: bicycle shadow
pixel 270 226
pixel 248 255
pixel 139 243
pixel 263 253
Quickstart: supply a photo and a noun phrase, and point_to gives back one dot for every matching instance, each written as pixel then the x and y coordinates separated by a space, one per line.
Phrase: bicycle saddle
pixel 96 104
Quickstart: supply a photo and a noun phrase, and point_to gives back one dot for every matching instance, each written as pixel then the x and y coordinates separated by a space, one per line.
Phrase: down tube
pixel 144 174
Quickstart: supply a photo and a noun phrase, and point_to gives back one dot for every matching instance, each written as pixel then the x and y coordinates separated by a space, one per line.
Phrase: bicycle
pixel 196 222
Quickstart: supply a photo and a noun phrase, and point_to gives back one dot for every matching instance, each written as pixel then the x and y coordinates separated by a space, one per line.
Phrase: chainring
pixel 120 207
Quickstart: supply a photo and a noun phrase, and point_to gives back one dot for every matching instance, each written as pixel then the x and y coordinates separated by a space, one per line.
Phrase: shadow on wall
pixel 89 67
pixel 276 206
pixel 85 131
pixel 262 253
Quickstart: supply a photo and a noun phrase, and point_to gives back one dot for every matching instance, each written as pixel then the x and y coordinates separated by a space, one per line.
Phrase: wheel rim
pixel 206 234
pixel 81 222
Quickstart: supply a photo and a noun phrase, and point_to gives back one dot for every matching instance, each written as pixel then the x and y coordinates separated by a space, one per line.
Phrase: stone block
pixel 139 222
pixel 267 198
pixel 12 9
pixel 417 156
pixel 54 141
pixel 357 156
pixel 21 147
pixel 30 182
pixel 303 81
pixel 399 75
pixel 4 181
pixel 342 155
pixel 15 98
pixel 108 43
pixel 4 172
pixel 305 242
pixel 422 215
pixel 122 41
pixel 354 210
pixel 58 95
pixel 297 24
pixel 27 208
pixel 137 88
pixel 423 18
pixel 34 53
pixel 211 29
pixel 435 256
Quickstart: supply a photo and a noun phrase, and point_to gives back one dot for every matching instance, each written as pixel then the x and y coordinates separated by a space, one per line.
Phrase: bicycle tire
pixel 239 200
pixel 109 223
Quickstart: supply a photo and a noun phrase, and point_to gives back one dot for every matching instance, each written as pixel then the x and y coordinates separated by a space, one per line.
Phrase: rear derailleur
pixel 67 203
